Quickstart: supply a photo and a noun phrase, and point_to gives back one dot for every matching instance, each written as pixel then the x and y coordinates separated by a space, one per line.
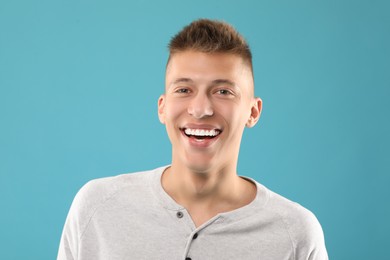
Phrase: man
pixel 198 207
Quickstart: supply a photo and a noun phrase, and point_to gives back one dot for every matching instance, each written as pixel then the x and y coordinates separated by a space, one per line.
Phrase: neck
pixel 210 188
pixel 206 194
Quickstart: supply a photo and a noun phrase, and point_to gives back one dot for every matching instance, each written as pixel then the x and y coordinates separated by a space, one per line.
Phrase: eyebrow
pixel 182 80
pixel 213 83
pixel 223 82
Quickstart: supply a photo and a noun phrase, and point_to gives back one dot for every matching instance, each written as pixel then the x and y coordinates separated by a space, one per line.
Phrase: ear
pixel 256 107
pixel 161 108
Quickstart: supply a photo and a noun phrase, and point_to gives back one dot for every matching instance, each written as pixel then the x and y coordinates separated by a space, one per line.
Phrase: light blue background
pixel 79 82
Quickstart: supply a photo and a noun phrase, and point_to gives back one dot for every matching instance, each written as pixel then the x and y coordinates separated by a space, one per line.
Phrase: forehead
pixel 200 64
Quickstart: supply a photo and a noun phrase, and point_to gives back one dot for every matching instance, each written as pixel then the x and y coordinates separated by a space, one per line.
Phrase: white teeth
pixel 201 132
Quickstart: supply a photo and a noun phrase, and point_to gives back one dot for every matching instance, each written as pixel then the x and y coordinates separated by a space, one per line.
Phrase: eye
pixel 182 91
pixel 224 92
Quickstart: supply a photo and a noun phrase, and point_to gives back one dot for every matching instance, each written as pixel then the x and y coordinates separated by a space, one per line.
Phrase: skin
pixel 207 91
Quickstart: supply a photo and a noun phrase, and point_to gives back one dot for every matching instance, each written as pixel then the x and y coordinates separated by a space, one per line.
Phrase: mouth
pixel 201 134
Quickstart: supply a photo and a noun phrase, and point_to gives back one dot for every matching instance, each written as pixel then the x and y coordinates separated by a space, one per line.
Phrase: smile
pixel 204 136
pixel 201 133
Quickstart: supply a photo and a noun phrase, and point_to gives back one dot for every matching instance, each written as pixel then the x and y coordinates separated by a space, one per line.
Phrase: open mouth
pixel 201 134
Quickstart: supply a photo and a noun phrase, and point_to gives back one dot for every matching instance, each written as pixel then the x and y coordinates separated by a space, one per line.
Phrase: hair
pixel 210 36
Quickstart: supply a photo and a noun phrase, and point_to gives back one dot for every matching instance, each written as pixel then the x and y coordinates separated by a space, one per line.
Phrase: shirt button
pixel 179 214
pixel 195 236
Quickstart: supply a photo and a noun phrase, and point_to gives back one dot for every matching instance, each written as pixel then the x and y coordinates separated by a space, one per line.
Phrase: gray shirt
pixel 130 216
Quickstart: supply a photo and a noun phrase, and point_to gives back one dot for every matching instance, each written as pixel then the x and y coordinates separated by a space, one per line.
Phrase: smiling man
pixel 198 207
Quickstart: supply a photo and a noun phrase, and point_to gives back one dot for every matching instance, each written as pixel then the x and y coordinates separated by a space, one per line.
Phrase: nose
pixel 200 106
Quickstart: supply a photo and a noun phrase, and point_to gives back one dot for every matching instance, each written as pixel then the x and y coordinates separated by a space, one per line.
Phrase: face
pixel 208 102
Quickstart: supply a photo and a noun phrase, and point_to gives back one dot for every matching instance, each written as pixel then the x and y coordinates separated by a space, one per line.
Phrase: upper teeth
pixel 201 132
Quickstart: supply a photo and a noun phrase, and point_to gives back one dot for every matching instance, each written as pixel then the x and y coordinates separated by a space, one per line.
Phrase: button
pixel 195 236
pixel 179 214
pixel 188 258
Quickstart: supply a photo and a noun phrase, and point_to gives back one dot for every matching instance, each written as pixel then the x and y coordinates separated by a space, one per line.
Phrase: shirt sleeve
pixel 309 239
pixel 81 211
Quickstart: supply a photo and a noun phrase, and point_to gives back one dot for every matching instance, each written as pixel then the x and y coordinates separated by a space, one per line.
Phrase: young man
pixel 198 207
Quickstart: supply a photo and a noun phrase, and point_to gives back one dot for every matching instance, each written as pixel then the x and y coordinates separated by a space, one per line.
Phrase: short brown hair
pixel 210 36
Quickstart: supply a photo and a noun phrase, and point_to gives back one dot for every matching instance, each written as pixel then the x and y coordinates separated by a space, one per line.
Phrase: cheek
pixel 237 117
pixel 172 111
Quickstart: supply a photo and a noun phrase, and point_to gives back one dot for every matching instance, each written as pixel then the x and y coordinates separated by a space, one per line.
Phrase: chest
pixel 172 235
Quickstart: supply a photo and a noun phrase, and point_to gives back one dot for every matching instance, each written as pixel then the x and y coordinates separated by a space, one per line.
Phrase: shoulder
pixel 101 189
pixel 96 193
pixel 301 224
pixel 93 196
pixel 291 212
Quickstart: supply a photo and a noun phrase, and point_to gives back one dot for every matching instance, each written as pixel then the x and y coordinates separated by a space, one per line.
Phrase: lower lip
pixel 200 143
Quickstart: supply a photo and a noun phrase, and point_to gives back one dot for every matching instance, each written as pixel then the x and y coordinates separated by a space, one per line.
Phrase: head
pixel 208 99
pixel 210 36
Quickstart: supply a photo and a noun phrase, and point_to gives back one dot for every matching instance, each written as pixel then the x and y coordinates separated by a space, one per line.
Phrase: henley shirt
pixel 130 216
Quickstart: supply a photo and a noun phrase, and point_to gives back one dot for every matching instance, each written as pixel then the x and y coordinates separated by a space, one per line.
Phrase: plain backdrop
pixel 79 82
